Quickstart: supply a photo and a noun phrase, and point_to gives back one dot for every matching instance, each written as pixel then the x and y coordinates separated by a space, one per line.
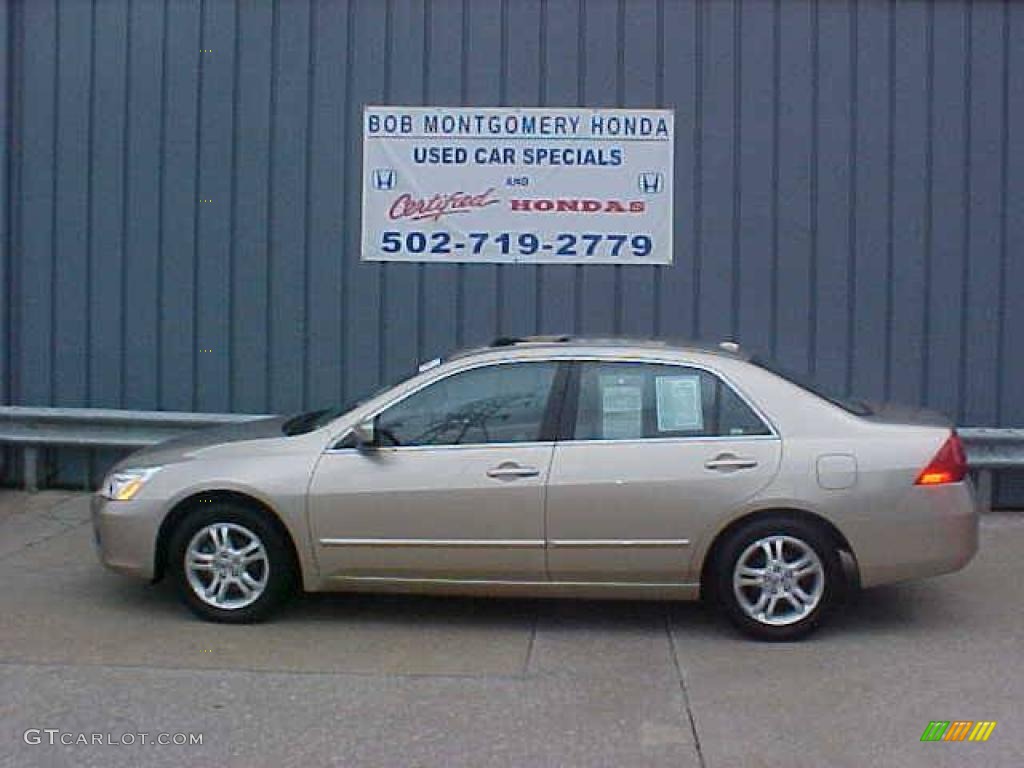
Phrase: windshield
pixel 302 423
pixel 849 404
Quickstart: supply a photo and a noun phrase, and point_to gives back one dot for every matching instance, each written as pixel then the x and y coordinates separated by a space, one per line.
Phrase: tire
pixel 774 599
pixel 244 581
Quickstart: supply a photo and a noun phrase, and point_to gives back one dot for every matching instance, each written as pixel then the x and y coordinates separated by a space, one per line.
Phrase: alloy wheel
pixel 227 566
pixel 778 580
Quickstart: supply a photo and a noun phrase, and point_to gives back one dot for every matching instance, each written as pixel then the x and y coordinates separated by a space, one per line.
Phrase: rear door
pixel 653 453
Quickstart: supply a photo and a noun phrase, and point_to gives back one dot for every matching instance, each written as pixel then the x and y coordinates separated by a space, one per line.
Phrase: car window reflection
pixel 496 404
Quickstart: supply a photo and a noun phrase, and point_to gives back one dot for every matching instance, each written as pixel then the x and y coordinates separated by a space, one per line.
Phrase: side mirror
pixel 364 435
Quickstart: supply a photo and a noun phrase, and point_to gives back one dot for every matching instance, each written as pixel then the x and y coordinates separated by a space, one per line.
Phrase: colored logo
pixel 958 730
pixel 650 182
pixel 576 205
pixel 384 179
pixel 433 208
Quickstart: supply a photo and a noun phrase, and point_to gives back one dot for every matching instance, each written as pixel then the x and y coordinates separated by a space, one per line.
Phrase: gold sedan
pixel 555 467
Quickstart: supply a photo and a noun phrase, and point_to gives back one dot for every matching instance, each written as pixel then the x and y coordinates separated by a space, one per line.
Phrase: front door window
pixel 503 403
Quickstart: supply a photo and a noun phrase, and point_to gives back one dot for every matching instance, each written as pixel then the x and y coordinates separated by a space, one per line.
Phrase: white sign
pixel 679 403
pixel 537 186
pixel 622 407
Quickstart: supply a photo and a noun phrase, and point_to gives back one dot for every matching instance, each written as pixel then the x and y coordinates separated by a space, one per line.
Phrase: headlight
pixel 124 484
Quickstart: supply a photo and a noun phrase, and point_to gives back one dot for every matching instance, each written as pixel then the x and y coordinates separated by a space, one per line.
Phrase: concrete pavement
pixel 352 680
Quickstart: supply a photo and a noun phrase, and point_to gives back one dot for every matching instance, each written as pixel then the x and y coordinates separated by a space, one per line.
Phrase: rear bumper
pixel 934 531
pixel 125 535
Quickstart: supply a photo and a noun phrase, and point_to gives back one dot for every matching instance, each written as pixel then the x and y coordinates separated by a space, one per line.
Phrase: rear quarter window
pixel 736 418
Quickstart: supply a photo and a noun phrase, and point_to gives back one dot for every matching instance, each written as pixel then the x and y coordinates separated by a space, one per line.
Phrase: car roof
pixel 582 344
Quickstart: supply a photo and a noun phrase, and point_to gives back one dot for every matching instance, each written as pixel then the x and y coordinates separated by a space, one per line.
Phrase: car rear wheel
pixel 777 578
pixel 230 564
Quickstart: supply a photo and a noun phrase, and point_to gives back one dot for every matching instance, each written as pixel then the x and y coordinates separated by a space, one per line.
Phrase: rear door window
pixel 633 401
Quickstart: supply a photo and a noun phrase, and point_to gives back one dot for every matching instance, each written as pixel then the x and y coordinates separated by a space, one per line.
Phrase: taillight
pixel 949 465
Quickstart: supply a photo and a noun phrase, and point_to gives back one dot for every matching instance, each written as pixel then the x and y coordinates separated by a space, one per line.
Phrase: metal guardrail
pixel 33 429
pixel 989 450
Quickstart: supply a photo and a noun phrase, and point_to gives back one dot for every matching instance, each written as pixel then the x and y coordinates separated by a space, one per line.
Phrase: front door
pixel 454 488
pixel 655 453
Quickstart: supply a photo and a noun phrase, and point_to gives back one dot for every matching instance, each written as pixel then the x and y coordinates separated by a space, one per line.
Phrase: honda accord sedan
pixel 555 467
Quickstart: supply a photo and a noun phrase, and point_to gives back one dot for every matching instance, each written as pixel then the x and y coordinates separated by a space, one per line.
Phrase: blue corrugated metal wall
pixel 849 192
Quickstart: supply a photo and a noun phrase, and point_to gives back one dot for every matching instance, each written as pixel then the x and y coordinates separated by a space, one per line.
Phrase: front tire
pixel 777 578
pixel 230 564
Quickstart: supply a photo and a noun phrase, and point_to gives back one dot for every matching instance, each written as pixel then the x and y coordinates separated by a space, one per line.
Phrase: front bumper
pixel 125 534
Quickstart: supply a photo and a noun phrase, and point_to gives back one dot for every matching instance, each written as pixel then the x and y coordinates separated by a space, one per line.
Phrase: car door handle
pixel 510 469
pixel 727 462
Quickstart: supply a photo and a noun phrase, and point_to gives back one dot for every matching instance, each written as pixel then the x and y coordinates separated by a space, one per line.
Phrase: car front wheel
pixel 777 578
pixel 229 564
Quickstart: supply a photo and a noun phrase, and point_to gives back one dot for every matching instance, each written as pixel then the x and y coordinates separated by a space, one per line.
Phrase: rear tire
pixel 230 564
pixel 777 578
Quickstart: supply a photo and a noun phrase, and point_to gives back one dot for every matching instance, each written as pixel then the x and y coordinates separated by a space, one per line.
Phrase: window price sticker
pixel 679 403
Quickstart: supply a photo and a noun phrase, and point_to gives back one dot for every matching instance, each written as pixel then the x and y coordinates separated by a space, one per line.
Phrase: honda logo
pixel 650 182
pixel 384 179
